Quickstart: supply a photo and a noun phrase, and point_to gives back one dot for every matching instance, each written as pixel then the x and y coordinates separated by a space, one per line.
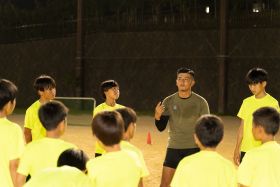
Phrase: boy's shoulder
pixel 4 122
pixel 34 106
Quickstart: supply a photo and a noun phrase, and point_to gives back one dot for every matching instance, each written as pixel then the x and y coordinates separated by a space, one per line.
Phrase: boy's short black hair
pixel 8 91
pixel 209 130
pixel 44 82
pixel 185 70
pixel 52 113
pixel 106 85
pixel 256 75
pixel 108 127
pixel 73 157
pixel 128 115
pixel 268 118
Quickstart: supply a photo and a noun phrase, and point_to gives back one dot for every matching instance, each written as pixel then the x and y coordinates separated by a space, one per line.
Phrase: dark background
pixel 140 44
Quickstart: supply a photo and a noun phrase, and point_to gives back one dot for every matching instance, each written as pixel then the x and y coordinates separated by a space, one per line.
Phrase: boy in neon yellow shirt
pixel 46 89
pixel 43 153
pixel 207 167
pixel 116 167
pixel 69 173
pixel 11 135
pixel 110 91
pixel 129 117
pixel 261 165
pixel 256 78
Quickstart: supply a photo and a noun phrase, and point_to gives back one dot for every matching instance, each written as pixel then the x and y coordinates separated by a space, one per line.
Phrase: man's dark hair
pixel 209 130
pixel 268 118
pixel 44 82
pixel 185 70
pixel 73 157
pixel 106 85
pixel 256 75
pixel 128 115
pixel 52 113
pixel 8 91
pixel 108 127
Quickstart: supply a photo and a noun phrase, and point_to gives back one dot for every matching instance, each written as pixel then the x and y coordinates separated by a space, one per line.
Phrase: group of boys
pixel 46 160
pixel 191 157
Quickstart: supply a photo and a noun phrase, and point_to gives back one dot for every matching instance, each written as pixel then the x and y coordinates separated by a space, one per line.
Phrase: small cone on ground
pixel 149 139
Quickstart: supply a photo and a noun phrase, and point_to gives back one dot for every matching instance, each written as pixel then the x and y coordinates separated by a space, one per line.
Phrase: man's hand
pixel 159 110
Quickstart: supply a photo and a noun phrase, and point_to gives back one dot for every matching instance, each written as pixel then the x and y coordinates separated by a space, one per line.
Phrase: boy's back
pixel 64 176
pixel 42 154
pixel 205 168
pixel 137 154
pixel 261 166
pixel 250 105
pixel 31 121
pixel 116 169
pixel 11 147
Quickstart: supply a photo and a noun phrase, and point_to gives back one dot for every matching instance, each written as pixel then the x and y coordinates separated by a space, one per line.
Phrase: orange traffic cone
pixel 149 139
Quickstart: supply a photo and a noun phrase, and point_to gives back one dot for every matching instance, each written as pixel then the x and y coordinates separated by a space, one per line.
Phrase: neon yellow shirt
pixel 261 166
pixel 64 176
pixel 116 169
pixel 100 108
pixel 31 121
pixel 205 169
pixel 11 147
pixel 41 154
pixel 248 107
pixel 131 149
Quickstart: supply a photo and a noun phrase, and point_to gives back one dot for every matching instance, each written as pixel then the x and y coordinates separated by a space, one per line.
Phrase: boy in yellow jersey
pixel 46 89
pixel 256 78
pixel 207 167
pixel 43 153
pixel 129 117
pixel 115 167
pixel 11 135
pixel 69 173
pixel 110 92
pixel 261 165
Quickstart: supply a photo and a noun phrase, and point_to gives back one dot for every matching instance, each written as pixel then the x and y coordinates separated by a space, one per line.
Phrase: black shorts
pixel 174 156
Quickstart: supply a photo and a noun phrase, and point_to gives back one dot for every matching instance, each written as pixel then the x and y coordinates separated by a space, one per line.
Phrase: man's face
pixel 184 81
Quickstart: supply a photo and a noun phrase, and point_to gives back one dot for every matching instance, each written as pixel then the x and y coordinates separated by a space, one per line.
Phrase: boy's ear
pixel 196 140
pixel 264 83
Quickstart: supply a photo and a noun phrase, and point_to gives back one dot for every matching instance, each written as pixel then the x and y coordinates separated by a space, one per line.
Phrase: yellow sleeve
pixel 241 114
pixel 24 163
pixel 17 144
pixel 28 119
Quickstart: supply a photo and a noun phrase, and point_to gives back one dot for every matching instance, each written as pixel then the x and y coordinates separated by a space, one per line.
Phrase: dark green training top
pixel 183 114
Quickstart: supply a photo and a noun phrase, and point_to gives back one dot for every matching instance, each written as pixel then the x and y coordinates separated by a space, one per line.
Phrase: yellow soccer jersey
pixel 205 168
pixel 11 147
pixel 64 176
pixel 31 121
pixel 128 147
pixel 41 154
pixel 117 169
pixel 248 107
pixel 100 108
pixel 261 166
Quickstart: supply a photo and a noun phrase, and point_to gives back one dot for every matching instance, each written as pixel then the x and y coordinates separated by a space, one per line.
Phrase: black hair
pixel 106 85
pixel 73 157
pixel 108 127
pixel 44 82
pixel 8 91
pixel 185 70
pixel 52 113
pixel 256 75
pixel 209 130
pixel 268 118
pixel 128 115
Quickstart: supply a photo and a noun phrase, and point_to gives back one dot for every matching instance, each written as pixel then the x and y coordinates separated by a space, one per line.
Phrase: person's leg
pixel 166 177
pixel 169 166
